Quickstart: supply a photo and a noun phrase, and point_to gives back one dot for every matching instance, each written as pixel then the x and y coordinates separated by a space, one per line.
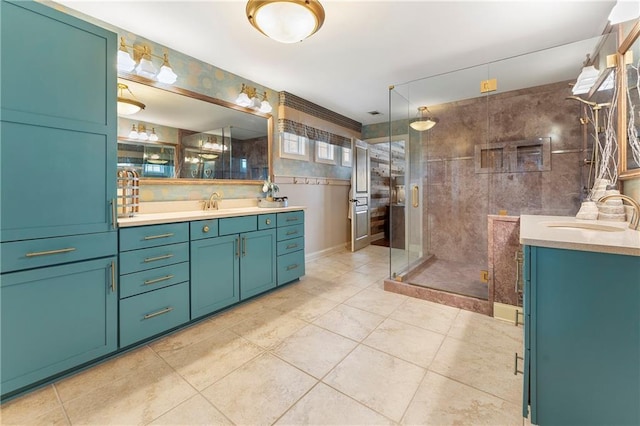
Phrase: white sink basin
pixel 585 225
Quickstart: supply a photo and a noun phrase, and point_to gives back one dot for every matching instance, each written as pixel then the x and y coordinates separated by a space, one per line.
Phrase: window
pixel 325 153
pixel 293 146
pixel 346 157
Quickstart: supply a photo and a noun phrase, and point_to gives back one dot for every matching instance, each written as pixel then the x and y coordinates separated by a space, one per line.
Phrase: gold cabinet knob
pixel 268 221
pixel 205 228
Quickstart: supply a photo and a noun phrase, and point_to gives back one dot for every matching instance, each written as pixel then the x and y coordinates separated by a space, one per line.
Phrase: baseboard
pixel 506 312
pixel 376 237
pixel 326 252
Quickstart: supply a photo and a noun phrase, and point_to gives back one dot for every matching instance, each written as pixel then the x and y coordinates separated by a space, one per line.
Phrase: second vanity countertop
pixel 535 232
pixel 170 212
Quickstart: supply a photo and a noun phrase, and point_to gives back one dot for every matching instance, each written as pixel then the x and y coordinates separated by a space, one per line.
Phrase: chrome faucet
pixel 212 202
pixel 635 217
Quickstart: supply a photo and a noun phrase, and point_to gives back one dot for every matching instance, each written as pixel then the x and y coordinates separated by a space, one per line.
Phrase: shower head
pixel 591 104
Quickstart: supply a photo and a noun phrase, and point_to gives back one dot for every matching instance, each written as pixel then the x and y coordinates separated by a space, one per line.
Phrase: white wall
pixel 326 224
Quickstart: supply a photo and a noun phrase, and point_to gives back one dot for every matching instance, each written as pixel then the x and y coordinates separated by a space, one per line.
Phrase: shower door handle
pixel 415 196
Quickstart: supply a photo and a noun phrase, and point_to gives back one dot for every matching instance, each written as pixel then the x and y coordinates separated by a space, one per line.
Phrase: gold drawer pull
pixel 153 259
pixel 292 232
pixel 205 229
pixel 268 221
pixel 157 280
pixel 290 246
pixel 292 219
pixel 153 237
pixel 46 253
pixel 290 267
pixel 160 312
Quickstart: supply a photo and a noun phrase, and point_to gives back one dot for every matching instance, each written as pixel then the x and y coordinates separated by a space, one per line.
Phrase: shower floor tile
pixel 452 276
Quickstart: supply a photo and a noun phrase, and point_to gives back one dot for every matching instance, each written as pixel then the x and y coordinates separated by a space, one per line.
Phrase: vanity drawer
pixel 153 235
pixel 204 229
pixel 290 266
pixel 154 257
pixel 151 313
pixel 153 279
pixel 290 218
pixel 237 225
pixel 289 232
pixel 266 221
pixel 289 246
pixel 21 255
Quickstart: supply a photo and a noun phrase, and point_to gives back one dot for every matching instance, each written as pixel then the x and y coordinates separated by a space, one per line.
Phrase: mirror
pixel 187 137
pixel 630 146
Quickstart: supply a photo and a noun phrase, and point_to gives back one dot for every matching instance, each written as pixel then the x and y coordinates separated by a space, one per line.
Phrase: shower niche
pixel 530 155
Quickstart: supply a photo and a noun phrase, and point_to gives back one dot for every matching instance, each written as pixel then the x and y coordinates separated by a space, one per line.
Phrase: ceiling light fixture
pixel 286 21
pixel 127 106
pixel 624 11
pixel 248 98
pixel 587 78
pixel 143 57
pixel 423 123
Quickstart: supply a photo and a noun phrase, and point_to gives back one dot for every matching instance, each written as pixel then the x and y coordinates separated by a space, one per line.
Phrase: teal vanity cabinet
pixel 58 287
pixel 215 269
pixel 154 280
pixel 290 247
pixel 232 259
pixel 582 337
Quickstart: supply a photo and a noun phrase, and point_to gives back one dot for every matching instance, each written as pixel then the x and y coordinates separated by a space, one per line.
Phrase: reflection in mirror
pixel 631 152
pixel 178 136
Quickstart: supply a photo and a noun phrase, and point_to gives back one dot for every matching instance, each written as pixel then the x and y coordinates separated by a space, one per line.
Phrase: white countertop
pixel 535 232
pixel 185 216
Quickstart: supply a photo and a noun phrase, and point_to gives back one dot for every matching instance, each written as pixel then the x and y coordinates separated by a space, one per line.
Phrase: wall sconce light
pixel 127 106
pixel 212 144
pixel 141 134
pixel 145 67
pixel 423 123
pixel 248 98
pixel 286 21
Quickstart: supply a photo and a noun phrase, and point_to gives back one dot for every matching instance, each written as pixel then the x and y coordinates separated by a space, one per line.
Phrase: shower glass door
pixel 446 207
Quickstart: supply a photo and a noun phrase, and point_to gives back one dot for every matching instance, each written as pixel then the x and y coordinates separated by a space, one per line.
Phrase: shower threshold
pixel 456 277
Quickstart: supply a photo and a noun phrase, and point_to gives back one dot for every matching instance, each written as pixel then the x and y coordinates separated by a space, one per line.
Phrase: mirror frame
pixel 215 101
pixel 624 46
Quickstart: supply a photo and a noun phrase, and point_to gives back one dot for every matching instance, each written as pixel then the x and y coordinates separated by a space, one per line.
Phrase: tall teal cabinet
pixel 57 166
pixel 582 337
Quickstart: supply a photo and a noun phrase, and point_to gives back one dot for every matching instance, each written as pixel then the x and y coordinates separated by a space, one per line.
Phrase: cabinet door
pixel 586 314
pixel 56 318
pixel 58 98
pixel 215 282
pixel 257 262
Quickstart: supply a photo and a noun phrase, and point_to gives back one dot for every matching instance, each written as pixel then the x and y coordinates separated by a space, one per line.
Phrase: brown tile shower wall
pixel 459 199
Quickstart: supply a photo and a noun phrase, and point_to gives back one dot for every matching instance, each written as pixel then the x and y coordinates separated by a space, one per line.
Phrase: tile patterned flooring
pixel 333 348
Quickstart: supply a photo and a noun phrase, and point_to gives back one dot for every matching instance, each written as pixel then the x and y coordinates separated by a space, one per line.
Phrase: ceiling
pixel 364 46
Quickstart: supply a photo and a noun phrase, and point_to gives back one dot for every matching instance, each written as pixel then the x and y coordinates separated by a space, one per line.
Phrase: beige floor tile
pixel 27 409
pixel 281 295
pixel 331 263
pixel 425 314
pixel 186 336
pixel 141 396
pixel 405 341
pixel 376 301
pixel 105 373
pixel 194 411
pixel 442 401
pixel 207 361
pixel 306 307
pixel 54 417
pixel 350 322
pixel 315 270
pixel 326 406
pixel 314 350
pixel 381 382
pixel 336 291
pixel 487 369
pixel 486 331
pixel 260 391
pixel 269 328
pixel 237 314
pixel 357 279
pixel 376 269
